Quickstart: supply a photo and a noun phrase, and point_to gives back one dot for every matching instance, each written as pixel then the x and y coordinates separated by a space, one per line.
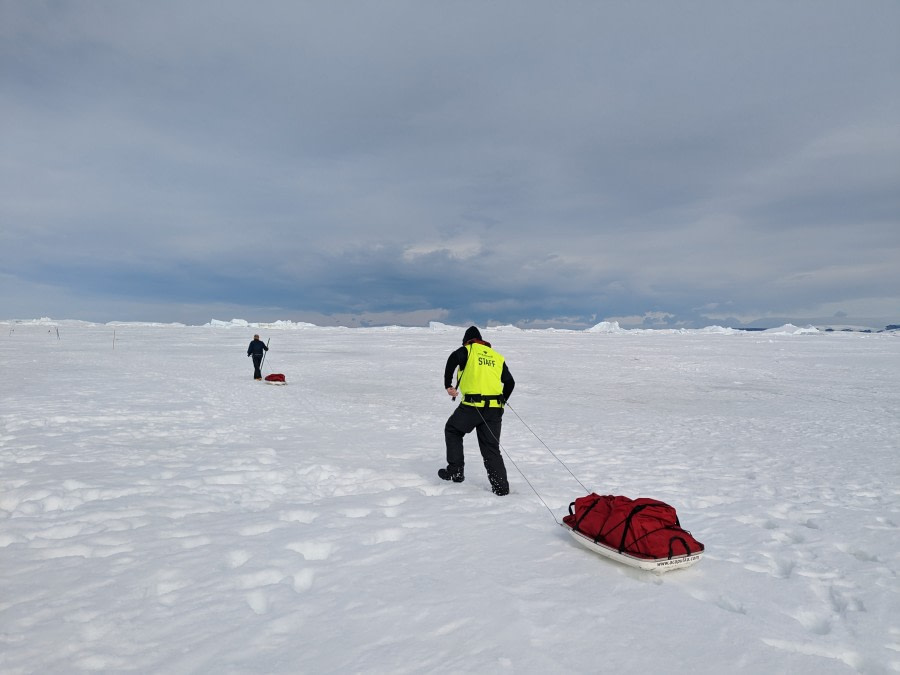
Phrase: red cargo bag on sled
pixel 275 378
pixel 642 530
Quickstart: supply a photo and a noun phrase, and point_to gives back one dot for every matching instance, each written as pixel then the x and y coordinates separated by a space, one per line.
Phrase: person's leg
pixel 488 433
pixel 458 425
pixel 257 361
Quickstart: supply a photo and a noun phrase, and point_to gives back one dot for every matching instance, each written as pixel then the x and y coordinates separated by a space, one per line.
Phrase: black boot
pixel 499 483
pixel 455 477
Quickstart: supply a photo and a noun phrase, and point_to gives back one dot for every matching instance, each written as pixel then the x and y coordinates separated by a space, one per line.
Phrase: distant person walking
pixel 485 384
pixel 257 349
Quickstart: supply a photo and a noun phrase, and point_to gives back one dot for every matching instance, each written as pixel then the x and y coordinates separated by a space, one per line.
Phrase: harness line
pixel 522 473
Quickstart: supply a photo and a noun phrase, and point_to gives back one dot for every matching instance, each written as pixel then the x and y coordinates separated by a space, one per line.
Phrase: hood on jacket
pixel 472 333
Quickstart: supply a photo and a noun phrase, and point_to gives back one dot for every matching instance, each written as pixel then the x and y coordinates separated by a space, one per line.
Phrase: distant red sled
pixel 275 378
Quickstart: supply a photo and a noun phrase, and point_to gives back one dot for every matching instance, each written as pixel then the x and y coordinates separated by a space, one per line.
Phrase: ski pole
pixel 264 354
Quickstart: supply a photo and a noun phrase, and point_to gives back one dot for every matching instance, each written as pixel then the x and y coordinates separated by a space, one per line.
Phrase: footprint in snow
pixel 312 550
pixel 299 516
pixel 857 553
pixel 238 558
pixel 383 536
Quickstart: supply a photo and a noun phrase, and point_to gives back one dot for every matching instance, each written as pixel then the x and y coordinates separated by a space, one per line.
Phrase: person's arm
pixel 508 382
pixel 457 359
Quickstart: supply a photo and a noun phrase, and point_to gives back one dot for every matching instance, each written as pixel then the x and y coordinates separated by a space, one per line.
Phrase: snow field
pixel 162 512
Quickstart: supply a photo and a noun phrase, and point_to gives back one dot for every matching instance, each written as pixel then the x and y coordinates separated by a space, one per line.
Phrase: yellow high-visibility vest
pixel 482 374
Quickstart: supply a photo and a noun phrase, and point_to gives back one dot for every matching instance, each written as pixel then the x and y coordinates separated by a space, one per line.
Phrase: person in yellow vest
pixel 485 385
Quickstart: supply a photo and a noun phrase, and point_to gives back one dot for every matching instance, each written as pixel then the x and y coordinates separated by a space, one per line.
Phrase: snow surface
pixel 162 512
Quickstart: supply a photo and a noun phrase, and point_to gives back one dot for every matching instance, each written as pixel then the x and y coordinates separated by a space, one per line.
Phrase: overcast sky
pixel 534 163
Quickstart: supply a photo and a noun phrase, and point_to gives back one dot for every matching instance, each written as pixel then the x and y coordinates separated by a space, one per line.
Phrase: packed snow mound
pixel 791 329
pixel 719 330
pixel 288 324
pixel 43 321
pixel 438 327
pixel 242 323
pixel 606 327
pixel 47 321
pixel 239 323
pixel 848 328
pixel 143 324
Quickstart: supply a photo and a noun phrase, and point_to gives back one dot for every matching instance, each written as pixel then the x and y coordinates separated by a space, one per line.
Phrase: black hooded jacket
pixel 460 357
pixel 256 347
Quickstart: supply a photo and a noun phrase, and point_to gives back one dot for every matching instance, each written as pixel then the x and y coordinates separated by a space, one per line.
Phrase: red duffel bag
pixel 589 514
pixel 646 528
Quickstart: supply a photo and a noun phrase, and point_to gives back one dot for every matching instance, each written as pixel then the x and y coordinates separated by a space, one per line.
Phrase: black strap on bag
pixel 584 515
pixel 627 529
pixel 674 538
pixel 631 514
pixel 687 549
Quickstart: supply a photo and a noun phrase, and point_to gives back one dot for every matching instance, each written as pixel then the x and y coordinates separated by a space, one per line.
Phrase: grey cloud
pixel 595 161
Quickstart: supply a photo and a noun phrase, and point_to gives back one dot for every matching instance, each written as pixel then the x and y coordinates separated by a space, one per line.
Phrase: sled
pixel 275 378
pixel 650 564
pixel 644 533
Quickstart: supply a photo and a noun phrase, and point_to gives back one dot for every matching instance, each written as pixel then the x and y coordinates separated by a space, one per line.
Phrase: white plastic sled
pixel 651 564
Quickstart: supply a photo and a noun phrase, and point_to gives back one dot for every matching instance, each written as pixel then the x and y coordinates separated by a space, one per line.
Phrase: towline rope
pixel 522 473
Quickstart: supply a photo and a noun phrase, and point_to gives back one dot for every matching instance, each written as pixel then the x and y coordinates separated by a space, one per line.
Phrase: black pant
pixel 486 422
pixel 257 361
